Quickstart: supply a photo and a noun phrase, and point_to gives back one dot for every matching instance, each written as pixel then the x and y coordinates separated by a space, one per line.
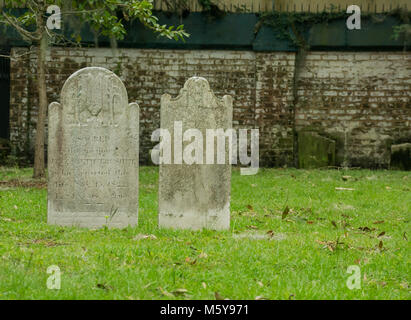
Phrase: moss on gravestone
pixel 315 151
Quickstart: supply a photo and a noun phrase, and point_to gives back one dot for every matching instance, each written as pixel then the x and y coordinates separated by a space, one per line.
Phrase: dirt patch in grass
pixel 44 242
pixel 270 235
pixel 18 183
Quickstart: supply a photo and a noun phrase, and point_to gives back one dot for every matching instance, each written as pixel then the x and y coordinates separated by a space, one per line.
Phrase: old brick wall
pixel 274 107
pixel 360 99
pixel 21 112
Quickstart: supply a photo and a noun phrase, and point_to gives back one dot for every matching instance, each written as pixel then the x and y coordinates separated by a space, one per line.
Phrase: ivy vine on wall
pixel 292 26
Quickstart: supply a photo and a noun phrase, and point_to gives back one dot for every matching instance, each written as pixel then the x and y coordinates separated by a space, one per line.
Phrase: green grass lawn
pixel 293 235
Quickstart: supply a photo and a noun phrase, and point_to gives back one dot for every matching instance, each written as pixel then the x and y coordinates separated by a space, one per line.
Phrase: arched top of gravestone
pixel 94 96
pixel 96 73
pixel 197 90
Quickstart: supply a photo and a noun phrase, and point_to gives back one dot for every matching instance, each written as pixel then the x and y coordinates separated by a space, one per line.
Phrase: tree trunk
pixel 39 163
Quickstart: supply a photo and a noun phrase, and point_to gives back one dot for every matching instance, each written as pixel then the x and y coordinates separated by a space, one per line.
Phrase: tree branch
pixel 8 57
pixel 16 57
pixel 14 23
pixel 81 11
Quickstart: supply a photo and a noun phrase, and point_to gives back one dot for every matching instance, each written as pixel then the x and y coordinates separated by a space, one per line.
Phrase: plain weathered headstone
pixel 315 151
pixel 401 156
pixel 195 196
pixel 93 141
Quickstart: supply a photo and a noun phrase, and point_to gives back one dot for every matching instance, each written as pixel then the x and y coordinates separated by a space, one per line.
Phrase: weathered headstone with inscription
pixel 197 195
pixel 93 143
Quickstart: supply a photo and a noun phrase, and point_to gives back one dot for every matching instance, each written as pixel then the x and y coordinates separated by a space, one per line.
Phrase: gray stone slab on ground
pixel 93 141
pixel 195 196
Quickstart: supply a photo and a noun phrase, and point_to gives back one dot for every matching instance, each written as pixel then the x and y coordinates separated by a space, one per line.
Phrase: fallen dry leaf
pixel 104 286
pixel 145 236
pixel 166 293
pixel 381 234
pixel 330 245
pixel 252 227
pixel 366 229
pixel 203 255
pixel 148 285
pixel 190 261
pixel 180 292
pixel 45 242
pixel 285 212
pixel 218 296
pixel 250 207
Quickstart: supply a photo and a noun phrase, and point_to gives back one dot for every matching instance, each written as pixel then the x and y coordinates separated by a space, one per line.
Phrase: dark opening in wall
pixel 4 94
